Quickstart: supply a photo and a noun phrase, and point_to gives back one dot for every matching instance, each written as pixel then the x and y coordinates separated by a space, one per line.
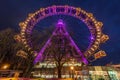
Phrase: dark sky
pixel 107 11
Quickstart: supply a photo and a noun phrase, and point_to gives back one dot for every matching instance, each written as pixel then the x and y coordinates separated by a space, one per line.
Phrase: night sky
pixel 108 11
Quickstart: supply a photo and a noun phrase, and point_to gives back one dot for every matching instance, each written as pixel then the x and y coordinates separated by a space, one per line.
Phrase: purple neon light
pixel 76 47
pixel 60 24
pixel 92 38
pixel 39 56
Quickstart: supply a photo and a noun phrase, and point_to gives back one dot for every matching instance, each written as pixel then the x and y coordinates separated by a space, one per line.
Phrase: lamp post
pixel 5 66
pixel 72 68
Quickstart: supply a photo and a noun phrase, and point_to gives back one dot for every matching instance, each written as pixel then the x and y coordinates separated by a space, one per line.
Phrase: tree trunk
pixel 59 71
pixel 27 72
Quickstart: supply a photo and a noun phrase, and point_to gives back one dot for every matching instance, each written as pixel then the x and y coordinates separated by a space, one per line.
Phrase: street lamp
pixel 72 68
pixel 5 66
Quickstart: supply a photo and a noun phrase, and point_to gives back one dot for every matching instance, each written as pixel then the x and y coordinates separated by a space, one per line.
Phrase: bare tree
pixel 59 51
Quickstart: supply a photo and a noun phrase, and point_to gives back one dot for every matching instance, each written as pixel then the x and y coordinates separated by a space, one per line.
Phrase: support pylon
pixel 61 38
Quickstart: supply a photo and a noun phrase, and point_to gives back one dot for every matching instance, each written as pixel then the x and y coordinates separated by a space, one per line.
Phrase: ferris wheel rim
pixel 93 25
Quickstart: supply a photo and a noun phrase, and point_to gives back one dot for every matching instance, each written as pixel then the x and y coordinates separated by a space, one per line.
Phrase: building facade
pixel 44 70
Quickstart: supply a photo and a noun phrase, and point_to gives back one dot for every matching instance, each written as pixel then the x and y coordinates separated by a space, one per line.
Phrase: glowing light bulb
pixel 60 22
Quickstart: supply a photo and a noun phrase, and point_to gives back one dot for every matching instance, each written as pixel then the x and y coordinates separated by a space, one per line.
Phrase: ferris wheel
pixel 95 28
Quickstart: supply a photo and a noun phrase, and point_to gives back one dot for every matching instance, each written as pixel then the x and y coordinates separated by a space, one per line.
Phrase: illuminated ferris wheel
pixel 97 37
